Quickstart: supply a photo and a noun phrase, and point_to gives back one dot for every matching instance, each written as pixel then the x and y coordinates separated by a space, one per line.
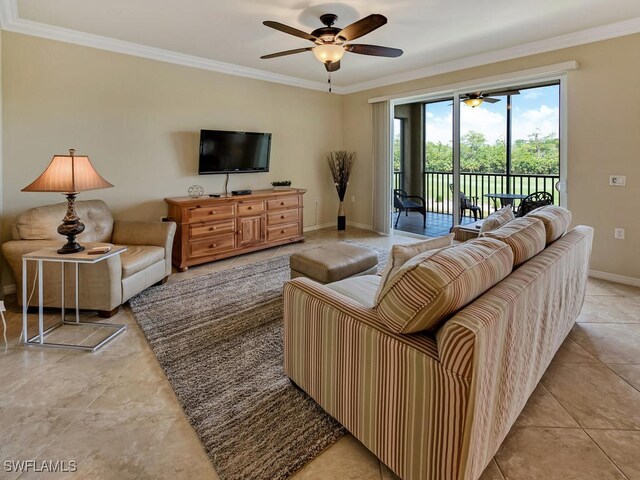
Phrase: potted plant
pixel 281 185
pixel 341 163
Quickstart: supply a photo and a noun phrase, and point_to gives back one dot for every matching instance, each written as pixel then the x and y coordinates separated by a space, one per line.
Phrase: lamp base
pixel 71 226
pixel 71 247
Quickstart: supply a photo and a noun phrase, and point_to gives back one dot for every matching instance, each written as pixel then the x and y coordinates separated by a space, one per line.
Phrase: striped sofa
pixel 435 405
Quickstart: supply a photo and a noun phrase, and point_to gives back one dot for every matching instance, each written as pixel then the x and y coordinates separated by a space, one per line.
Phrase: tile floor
pixel 114 413
pixel 437 223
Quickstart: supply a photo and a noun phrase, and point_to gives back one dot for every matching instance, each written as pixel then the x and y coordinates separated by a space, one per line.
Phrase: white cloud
pixel 493 124
pixel 545 119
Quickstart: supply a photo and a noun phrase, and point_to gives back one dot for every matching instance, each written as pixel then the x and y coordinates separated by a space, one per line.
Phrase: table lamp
pixel 69 174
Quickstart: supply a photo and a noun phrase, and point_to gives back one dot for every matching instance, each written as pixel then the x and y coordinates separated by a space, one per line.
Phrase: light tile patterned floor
pixel 114 413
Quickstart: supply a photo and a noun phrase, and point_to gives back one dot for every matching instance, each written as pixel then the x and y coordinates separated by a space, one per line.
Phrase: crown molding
pixel 605 32
pixel 10 21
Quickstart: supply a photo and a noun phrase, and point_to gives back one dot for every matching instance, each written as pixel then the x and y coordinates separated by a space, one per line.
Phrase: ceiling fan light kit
pixel 331 41
pixel 329 52
pixel 473 102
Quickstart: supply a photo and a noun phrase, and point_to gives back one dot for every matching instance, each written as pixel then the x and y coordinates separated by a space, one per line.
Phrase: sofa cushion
pixel 138 257
pixel 362 289
pixel 497 219
pixel 556 220
pixel 435 284
pixel 401 254
pixel 41 223
pixel 526 236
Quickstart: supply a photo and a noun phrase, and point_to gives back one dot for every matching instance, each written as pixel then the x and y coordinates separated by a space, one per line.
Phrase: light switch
pixel 618 180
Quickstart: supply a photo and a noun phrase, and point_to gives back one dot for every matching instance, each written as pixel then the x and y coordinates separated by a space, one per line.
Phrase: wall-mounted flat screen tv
pixel 233 152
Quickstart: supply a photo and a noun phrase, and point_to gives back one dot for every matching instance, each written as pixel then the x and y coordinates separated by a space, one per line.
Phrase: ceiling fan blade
pixel 286 52
pixel 362 27
pixel 374 50
pixel 281 27
pixel 332 66
pixel 490 100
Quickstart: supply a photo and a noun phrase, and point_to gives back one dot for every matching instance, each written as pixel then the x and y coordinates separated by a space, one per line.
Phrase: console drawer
pixel 283 231
pixel 284 216
pixel 204 214
pixel 284 202
pixel 250 208
pixel 213 228
pixel 218 244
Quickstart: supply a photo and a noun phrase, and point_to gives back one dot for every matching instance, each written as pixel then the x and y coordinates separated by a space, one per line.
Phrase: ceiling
pixel 432 33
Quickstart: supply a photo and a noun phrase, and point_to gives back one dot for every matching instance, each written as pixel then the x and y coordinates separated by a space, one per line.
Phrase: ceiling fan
pixel 331 42
pixel 475 99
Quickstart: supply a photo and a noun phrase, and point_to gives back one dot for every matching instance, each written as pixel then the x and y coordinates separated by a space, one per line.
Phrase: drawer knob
pixel 212 228
pixel 213 212
pixel 282 231
pixel 213 245
pixel 249 207
pixel 281 203
pixel 281 216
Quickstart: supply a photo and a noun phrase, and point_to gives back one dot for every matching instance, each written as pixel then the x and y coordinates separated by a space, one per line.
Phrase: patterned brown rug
pixel 219 339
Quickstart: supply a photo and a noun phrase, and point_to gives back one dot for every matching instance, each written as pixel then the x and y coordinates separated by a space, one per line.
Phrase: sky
pixel 532 109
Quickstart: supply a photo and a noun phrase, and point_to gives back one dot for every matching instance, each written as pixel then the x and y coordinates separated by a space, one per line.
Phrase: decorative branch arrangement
pixel 341 164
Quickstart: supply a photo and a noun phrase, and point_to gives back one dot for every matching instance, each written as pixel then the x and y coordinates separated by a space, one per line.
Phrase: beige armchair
pixel 106 285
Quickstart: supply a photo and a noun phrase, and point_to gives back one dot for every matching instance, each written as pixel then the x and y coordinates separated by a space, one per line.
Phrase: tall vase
pixel 342 220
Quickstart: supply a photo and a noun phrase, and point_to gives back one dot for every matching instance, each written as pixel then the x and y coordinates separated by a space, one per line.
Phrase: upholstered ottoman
pixel 332 263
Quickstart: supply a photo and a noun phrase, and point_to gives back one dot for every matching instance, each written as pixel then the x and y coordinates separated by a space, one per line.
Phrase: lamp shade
pixel 68 174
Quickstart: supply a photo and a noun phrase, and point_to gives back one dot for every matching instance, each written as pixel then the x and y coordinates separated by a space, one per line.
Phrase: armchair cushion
pixel 138 257
pixel 435 284
pixel 41 223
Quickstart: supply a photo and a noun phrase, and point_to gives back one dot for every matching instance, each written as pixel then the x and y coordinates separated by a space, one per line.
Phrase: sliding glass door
pixel 474 152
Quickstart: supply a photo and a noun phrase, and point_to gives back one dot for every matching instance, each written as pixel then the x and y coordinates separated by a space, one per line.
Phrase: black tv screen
pixel 233 152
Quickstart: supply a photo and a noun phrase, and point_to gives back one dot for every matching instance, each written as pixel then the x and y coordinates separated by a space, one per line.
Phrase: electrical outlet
pixel 2 309
pixel 618 180
pixel 618 233
pixel 353 199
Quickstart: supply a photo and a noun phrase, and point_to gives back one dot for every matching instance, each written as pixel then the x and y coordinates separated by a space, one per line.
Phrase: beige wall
pixel 603 139
pixel 139 121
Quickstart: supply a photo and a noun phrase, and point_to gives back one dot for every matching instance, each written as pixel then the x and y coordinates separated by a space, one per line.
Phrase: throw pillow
pixel 434 285
pixel 497 219
pixel 526 236
pixel 556 220
pixel 401 254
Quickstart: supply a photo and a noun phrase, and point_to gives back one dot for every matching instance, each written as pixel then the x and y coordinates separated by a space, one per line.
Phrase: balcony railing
pixel 439 197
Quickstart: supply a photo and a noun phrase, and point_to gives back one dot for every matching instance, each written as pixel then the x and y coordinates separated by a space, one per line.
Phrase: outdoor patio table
pixel 505 198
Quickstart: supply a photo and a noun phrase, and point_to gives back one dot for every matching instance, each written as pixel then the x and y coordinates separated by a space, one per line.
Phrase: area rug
pixel 219 339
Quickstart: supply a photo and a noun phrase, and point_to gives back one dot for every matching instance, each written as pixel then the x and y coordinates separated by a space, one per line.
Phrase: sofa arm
pixel 387 389
pixel 158 234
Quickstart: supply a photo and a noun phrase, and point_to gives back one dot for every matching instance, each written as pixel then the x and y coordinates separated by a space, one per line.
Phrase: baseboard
pixel 318 227
pixel 333 224
pixel 612 277
pixel 9 289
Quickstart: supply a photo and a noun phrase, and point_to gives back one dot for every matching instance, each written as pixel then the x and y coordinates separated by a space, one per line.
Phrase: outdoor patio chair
pixel 533 201
pixel 403 202
pixel 468 203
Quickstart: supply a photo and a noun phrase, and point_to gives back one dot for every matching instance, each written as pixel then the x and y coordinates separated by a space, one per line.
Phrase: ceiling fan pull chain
pixel 329 81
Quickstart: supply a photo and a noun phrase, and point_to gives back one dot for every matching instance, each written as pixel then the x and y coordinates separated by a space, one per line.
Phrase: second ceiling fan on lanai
pixel 331 42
